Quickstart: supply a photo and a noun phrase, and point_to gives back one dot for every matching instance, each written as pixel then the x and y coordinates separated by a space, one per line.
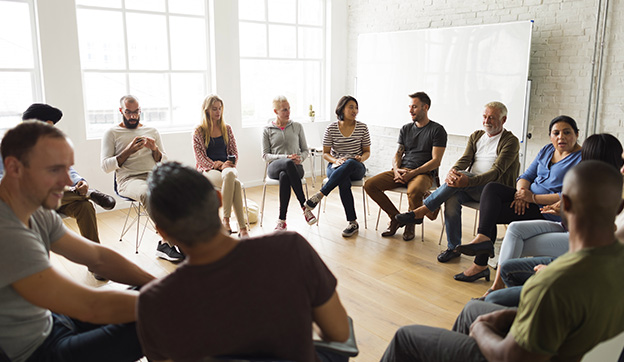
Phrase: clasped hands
pixel 220 165
pixel 522 200
pixel 341 160
pixel 403 175
pixel 456 178
pixel 499 322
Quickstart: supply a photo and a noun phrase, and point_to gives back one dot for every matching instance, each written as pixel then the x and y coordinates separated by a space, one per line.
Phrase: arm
pixel 365 154
pixel 100 259
pixel 202 162
pixel 108 158
pixel 303 144
pixel 507 157
pixel 231 148
pixel 436 159
pixel 267 154
pixel 54 291
pixel 331 318
pixel 467 159
pixel 497 348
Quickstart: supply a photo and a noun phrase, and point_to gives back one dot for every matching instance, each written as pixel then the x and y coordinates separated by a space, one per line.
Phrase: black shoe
pixel 167 252
pixel 447 255
pixel 107 202
pixel 485 247
pixel 407 218
pixel 351 229
pixel 482 274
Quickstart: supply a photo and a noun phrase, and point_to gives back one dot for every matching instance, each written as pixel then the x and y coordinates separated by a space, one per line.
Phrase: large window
pixel 20 83
pixel 282 50
pixel 156 50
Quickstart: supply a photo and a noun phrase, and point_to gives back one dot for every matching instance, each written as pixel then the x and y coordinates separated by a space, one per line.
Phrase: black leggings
pixel 495 209
pixel 289 175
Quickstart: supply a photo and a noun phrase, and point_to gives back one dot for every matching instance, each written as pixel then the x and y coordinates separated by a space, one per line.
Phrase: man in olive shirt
pixel 565 309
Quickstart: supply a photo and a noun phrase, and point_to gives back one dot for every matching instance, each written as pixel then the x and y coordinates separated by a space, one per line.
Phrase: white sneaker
pixel 309 216
pixel 281 225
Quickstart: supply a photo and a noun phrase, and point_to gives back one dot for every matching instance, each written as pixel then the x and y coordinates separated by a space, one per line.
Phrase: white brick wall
pixel 561 55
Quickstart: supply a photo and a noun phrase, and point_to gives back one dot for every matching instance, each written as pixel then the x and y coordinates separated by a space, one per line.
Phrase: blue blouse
pixel 546 178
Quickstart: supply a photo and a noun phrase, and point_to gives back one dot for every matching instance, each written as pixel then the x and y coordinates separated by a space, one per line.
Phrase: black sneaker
pixel 171 253
pixel 311 203
pixel 107 202
pixel 447 255
pixel 351 229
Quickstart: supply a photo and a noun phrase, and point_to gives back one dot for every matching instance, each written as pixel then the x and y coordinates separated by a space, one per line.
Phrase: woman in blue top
pixel 539 185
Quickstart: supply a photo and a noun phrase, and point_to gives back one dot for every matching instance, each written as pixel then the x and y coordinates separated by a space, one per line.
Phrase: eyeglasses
pixel 131 113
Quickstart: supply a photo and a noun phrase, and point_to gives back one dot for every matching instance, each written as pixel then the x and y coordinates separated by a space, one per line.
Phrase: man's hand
pixel 134 146
pixel 538 268
pixel 81 187
pixel 553 209
pixel 500 321
pixel 150 143
pixel 398 175
pixel 456 179
pixel 296 158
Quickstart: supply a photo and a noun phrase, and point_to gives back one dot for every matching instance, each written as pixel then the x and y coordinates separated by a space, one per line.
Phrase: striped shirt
pixel 347 147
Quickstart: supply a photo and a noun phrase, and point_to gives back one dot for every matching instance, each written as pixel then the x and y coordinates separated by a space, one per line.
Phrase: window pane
pixel 15 96
pixel 310 42
pixel 251 10
pixel 101 49
pixel 311 12
pixel 283 11
pixel 101 93
pixel 15 36
pixel 191 7
pixel 147 42
pixel 101 3
pixel 188 43
pixel 262 80
pixel 188 91
pixel 282 41
pixel 252 40
pixel 149 5
pixel 153 92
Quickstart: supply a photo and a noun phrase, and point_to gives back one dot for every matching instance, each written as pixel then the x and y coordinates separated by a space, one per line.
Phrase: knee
pixel 369 186
pixel 283 176
pixel 228 177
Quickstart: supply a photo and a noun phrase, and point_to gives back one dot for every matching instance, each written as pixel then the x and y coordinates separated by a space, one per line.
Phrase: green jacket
pixel 506 167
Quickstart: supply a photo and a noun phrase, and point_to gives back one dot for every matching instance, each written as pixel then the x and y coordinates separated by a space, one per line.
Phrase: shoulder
pixel 476 135
pixel 508 136
pixel 436 126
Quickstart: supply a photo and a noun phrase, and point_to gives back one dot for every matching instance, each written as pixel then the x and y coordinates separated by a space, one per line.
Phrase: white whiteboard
pixel 460 68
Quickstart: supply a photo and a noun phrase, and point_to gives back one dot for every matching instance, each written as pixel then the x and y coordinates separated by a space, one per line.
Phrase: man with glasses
pixel 132 149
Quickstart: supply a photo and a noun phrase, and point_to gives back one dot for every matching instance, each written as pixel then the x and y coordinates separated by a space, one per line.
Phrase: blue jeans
pixel 76 341
pixel 453 199
pixel 341 177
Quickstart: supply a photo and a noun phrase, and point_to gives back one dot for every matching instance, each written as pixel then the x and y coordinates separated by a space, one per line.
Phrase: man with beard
pixel 131 150
pixel 415 164
pixel 44 315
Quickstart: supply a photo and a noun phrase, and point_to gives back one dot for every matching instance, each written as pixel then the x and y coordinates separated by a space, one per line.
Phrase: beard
pixel 129 125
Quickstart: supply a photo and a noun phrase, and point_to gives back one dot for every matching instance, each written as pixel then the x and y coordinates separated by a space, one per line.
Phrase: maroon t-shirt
pixel 256 301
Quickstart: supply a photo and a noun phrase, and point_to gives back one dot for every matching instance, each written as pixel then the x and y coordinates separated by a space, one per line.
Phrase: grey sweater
pixel 278 143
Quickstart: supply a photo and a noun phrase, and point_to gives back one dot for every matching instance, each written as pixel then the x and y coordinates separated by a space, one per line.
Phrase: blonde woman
pixel 216 155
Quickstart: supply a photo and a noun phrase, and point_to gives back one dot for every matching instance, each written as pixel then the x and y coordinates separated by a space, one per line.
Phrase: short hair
pixel 566 119
pixel 277 101
pixel 128 97
pixel 21 139
pixel 342 103
pixel 183 203
pixel 42 112
pixel 603 147
pixel 597 189
pixel 422 97
pixel 499 107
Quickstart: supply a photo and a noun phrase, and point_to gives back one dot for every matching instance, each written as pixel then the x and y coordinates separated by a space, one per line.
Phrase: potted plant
pixel 311 113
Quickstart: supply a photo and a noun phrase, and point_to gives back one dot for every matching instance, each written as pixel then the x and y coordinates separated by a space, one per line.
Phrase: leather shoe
pixel 407 218
pixel 447 255
pixel 408 233
pixel 432 215
pixel 107 202
pixel 392 228
pixel 485 247
pixel 464 278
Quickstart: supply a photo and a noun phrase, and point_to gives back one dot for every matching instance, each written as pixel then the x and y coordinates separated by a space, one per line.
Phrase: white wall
pixel 63 87
pixel 562 49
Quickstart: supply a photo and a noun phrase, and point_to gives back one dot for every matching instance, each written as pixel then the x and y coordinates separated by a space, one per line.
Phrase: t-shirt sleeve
pixel 366 142
pixel 541 324
pixel 401 141
pixel 320 281
pixel 149 334
pixel 327 136
pixel 440 137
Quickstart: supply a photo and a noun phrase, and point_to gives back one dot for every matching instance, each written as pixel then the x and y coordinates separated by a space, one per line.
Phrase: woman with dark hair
pixel 346 145
pixel 539 185
pixel 547 238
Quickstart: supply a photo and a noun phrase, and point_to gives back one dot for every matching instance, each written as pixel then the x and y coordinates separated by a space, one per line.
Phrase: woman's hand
pixel 217 165
pixel 520 206
pixel 524 195
pixel 358 158
pixel 296 158
pixel 553 209
pixel 340 161
pixel 227 164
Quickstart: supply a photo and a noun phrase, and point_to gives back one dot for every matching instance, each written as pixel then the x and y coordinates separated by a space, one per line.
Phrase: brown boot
pixel 392 228
pixel 408 234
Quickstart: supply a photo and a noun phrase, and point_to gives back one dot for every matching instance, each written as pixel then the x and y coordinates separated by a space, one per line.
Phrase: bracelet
pixel 534 201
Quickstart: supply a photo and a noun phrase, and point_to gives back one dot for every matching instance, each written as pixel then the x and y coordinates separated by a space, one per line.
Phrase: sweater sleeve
pixel 267 148
pixel 508 153
pixel 108 158
pixel 467 159
pixel 303 144
pixel 231 146
pixel 202 162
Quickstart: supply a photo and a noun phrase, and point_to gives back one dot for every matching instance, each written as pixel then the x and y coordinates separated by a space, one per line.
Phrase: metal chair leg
pixel 262 207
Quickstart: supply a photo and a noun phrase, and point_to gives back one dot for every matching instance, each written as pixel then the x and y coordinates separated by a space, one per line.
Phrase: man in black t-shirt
pixel 415 164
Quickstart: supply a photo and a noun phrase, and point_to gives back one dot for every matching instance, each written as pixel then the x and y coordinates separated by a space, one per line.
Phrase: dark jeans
pixel 495 209
pixel 341 177
pixel 289 175
pixel 76 341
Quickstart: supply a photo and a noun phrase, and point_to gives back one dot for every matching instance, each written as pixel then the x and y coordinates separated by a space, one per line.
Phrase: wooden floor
pixel 384 283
